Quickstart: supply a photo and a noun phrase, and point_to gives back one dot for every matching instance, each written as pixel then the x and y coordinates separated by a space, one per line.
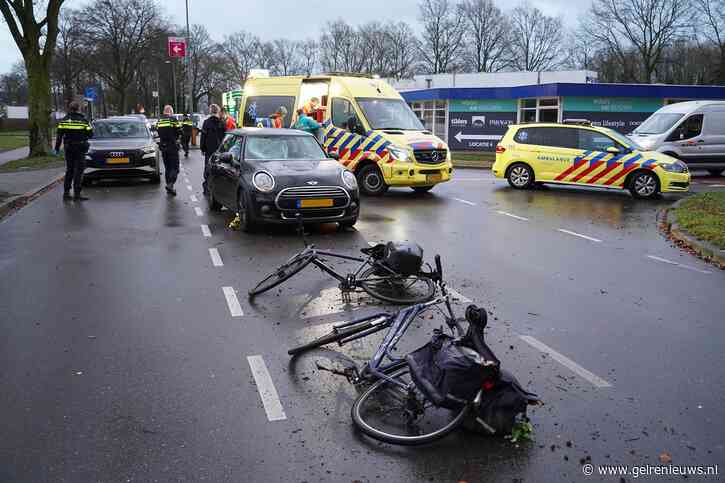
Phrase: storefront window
pixel 434 115
pixel 544 109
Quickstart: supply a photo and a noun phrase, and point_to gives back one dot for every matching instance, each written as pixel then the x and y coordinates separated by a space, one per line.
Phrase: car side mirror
pixel 613 150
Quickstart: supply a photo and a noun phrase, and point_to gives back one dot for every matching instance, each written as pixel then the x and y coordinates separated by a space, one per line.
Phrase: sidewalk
pixel 17 188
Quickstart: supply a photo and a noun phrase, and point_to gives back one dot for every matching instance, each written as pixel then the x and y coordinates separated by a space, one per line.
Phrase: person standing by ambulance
pixel 74 131
pixel 169 130
pixel 186 127
pixel 212 133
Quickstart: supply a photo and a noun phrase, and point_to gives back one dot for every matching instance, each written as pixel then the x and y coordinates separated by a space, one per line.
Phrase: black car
pixel 271 175
pixel 122 147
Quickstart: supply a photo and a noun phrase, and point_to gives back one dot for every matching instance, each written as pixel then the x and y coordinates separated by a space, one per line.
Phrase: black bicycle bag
pixel 502 405
pixel 404 258
pixel 448 373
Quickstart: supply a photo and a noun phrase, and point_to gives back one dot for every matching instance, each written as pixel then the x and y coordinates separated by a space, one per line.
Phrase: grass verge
pixel 472 159
pixel 13 140
pixel 28 164
pixel 703 216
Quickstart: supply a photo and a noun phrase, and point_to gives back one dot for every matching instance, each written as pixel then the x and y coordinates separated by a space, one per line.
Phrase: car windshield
pixel 119 129
pixel 287 148
pixel 658 123
pixel 389 114
pixel 622 139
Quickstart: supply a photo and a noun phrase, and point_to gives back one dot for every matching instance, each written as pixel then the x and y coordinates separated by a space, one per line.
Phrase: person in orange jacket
pixel 229 123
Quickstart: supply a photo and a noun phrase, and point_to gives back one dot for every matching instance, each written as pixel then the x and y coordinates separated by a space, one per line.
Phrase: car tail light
pixel 487 385
pixel 500 149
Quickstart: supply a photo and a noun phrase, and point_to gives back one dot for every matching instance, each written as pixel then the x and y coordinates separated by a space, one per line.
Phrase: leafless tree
pixel 443 29
pixel 645 26
pixel 712 19
pixel 36 39
pixel 206 64
pixel 579 51
pixel 535 40
pixel 14 86
pixel 486 47
pixel 287 57
pixel 403 47
pixel 118 38
pixel 240 53
pixel 342 48
pixel 308 52
pixel 70 57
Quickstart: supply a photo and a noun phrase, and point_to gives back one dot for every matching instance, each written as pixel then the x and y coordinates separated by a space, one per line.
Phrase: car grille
pixel 431 156
pixel 288 197
pixel 680 184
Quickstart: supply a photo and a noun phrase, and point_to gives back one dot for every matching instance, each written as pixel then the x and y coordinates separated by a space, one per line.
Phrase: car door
pixel 229 172
pixel 713 133
pixel 593 155
pixel 688 138
pixel 550 149
pixel 218 169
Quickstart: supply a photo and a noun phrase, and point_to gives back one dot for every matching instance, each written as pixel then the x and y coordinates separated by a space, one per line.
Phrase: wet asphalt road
pixel 120 359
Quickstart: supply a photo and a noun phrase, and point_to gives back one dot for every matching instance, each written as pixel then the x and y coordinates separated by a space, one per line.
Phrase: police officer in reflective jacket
pixel 186 127
pixel 74 131
pixel 169 130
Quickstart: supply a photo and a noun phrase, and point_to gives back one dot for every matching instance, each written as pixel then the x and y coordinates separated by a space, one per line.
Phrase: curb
pixel 705 250
pixel 16 202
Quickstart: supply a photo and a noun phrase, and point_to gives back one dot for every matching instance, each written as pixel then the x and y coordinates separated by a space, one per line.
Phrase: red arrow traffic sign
pixel 176 47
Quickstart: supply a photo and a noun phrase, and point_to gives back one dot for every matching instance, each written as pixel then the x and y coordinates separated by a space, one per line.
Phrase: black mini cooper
pixel 272 175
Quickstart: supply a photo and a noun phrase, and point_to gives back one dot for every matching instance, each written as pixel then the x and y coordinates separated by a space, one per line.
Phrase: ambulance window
pixel 595 141
pixel 258 109
pixel 546 136
pixel 342 111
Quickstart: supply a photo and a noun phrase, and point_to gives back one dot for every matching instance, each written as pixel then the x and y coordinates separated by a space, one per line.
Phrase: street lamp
pixel 173 80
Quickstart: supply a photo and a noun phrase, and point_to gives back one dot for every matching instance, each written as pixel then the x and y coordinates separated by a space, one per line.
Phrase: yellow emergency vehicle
pixel 577 153
pixel 365 124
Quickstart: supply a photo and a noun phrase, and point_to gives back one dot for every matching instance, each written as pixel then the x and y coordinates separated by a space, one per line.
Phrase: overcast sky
pixel 293 19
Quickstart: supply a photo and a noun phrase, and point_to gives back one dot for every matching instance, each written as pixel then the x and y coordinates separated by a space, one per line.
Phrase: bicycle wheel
pixel 283 273
pixel 409 290
pixel 328 338
pixel 391 414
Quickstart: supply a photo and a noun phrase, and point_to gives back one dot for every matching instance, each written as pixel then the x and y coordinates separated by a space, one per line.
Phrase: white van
pixel 692 131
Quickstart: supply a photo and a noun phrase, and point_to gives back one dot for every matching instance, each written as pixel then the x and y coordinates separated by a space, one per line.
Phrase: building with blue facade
pixel 471 112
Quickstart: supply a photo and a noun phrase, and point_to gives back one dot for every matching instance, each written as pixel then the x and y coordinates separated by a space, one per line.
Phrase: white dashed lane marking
pixel 193 198
pixel 188 186
pixel 465 201
pixel 265 387
pixel 512 215
pixel 216 259
pixel 205 231
pixel 232 302
pixel 676 264
pixel 198 211
pixel 566 362
pixel 573 233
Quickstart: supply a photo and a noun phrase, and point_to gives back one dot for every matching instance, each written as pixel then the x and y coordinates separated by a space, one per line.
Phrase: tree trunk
pixel 39 105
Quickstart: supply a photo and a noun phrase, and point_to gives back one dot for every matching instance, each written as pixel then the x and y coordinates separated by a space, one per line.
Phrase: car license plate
pixel 117 160
pixel 315 203
pixel 433 178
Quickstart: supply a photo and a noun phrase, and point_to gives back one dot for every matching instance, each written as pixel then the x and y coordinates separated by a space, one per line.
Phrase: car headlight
pixel 348 177
pixel 401 154
pixel 676 167
pixel 263 181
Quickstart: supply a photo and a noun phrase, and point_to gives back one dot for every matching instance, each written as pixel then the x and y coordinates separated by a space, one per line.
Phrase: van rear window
pixel 259 108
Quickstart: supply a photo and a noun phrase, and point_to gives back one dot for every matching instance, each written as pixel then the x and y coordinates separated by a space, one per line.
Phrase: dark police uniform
pixel 169 130
pixel 186 126
pixel 74 131
pixel 212 134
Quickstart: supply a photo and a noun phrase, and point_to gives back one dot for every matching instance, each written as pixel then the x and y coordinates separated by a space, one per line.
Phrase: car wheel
pixel 246 224
pixel 520 176
pixel 422 189
pixel 715 172
pixel 214 205
pixel 644 184
pixel 347 224
pixel 371 180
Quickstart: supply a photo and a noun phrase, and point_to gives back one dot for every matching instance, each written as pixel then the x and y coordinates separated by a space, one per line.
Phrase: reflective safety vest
pixel 74 131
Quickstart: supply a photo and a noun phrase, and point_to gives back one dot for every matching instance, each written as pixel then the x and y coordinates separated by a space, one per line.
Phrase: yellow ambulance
pixel 365 124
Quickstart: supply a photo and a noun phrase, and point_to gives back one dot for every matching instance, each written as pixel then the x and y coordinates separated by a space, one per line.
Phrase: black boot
pixel 170 189
pixel 67 196
pixel 79 197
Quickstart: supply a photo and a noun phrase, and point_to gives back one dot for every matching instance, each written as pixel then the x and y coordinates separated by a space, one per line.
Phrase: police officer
pixel 169 130
pixel 186 127
pixel 74 131
pixel 212 133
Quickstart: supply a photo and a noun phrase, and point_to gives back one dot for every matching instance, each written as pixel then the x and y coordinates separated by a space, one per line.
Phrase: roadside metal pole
pixel 187 90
